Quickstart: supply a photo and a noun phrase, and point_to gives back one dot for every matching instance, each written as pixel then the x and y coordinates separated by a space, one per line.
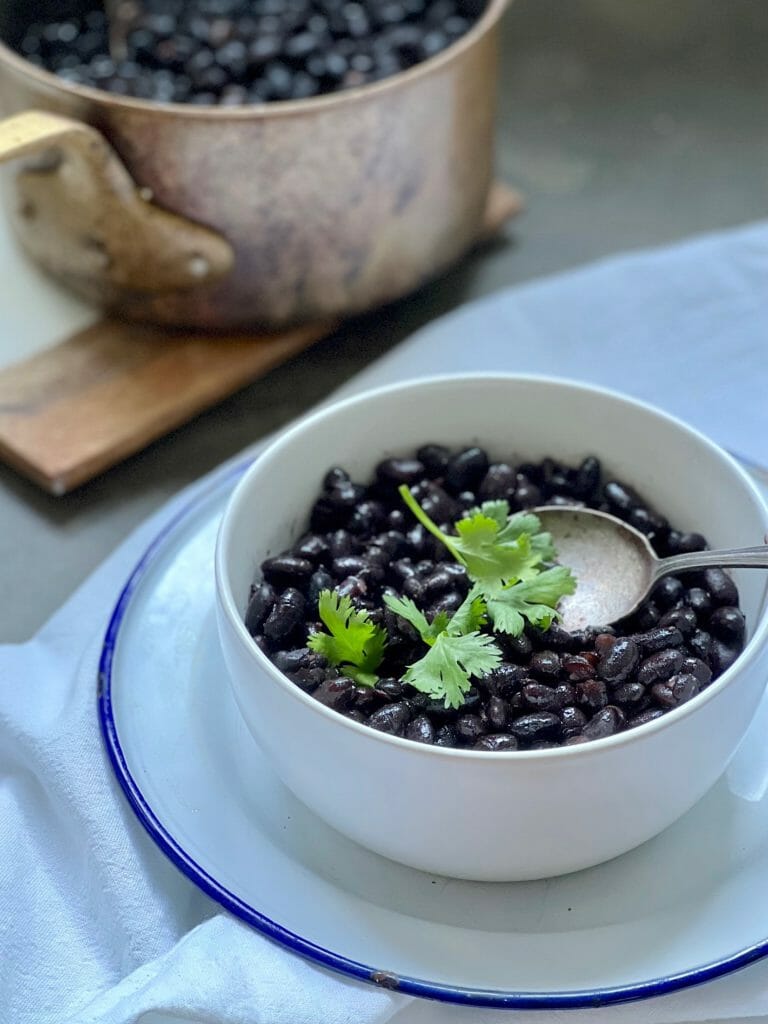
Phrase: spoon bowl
pixel 615 566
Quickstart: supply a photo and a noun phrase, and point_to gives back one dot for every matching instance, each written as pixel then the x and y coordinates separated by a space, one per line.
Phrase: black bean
pixel 313 547
pixel 649 715
pixel 499 482
pixel 466 469
pixel 434 458
pixel 518 647
pixel 700 644
pixel 345 496
pixel 420 540
pixel 338 694
pixel 620 496
pixel 573 720
pixel 660 666
pixel 728 624
pixel 697 667
pixel 686 542
pixel 325 515
pixel 591 693
pixel 392 718
pixel 545 664
pixel 366 517
pixel 391 542
pixel 605 723
pixel 366 699
pixel 354 587
pixel 320 580
pixel 341 543
pixel 539 697
pixel 675 691
pixel 528 496
pixel 722 656
pixel 394 472
pixel 648 522
pixel 578 667
pixel 335 477
pixel 629 693
pixel 496 742
pixel 667 592
pixel 420 730
pixel 445 736
pixel 403 569
pixel 286 615
pixel 564 694
pixel 469 728
pixel 287 569
pixel 396 520
pixel 540 725
pixel 683 619
pixel 390 689
pixel 260 605
pixel 449 602
pixel 505 680
pixel 604 643
pixel 647 616
pixel 588 478
pixel 348 565
pixel 556 637
pixel 293 660
pixel 700 600
pixel 720 586
pixel 496 712
pixel 440 580
pixel 438 504
pixel 658 639
pixel 620 662
pixel 414 588
pixel 356 716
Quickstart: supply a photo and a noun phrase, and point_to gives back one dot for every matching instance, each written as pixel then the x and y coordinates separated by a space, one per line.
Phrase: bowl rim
pixel 274 108
pixel 328 410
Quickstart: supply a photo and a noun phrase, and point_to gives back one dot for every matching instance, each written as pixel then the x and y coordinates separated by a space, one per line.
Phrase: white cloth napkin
pixel 96 926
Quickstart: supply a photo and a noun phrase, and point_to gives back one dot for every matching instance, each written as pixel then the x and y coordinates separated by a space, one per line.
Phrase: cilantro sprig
pixel 457 650
pixel 506 557
pixel 352 642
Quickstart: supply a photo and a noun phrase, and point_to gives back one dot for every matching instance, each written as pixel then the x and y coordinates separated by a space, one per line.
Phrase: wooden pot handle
pixel 82 217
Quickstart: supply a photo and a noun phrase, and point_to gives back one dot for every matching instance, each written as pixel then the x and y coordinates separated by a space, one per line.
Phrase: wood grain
pixel 71 412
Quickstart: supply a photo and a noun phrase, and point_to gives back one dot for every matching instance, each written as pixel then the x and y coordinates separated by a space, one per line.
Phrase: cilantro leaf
pixel 486 559
pixel 446 669
pixel 468 617
pixel 496 510
pixel 535 600
pixel 352 639
pixel 406 609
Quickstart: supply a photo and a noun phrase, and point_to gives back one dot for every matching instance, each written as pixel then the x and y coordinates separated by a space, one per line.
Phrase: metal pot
pixel 254 216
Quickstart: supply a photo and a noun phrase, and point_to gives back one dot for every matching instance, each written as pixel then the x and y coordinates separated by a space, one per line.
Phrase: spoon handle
pixel 728 558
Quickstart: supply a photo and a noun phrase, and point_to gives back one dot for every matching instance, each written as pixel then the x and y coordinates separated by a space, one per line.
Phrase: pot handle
pixel 83 218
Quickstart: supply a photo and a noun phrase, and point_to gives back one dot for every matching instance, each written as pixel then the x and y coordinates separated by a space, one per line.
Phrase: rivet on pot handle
pixel 82 217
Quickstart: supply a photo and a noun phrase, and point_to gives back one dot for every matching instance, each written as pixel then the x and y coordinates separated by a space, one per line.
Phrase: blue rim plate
pixel 715 879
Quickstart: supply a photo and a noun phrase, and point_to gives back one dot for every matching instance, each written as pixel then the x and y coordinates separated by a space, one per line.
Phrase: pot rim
pixel 598 747
pixel 276 108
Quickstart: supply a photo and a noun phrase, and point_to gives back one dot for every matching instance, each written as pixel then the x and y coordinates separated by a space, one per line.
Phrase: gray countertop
pixel 625 125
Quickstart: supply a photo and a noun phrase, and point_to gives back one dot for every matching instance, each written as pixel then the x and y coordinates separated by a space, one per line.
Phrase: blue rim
pixel 487 998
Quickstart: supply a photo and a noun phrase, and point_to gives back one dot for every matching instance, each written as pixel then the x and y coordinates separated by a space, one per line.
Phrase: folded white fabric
pixel 96 926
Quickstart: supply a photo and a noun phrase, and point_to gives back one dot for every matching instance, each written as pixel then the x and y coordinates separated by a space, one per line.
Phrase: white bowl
pixel 472 814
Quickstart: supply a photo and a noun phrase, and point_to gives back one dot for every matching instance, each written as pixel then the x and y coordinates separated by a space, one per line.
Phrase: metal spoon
pixel 615 565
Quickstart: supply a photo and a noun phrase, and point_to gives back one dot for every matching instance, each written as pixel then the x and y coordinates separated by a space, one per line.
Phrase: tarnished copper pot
pixel 254 216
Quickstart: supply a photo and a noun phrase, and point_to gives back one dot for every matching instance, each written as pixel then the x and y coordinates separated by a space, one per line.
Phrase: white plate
pixel 688 906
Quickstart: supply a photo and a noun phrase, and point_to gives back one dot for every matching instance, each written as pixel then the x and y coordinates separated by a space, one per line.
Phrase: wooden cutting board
pixel 88 402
